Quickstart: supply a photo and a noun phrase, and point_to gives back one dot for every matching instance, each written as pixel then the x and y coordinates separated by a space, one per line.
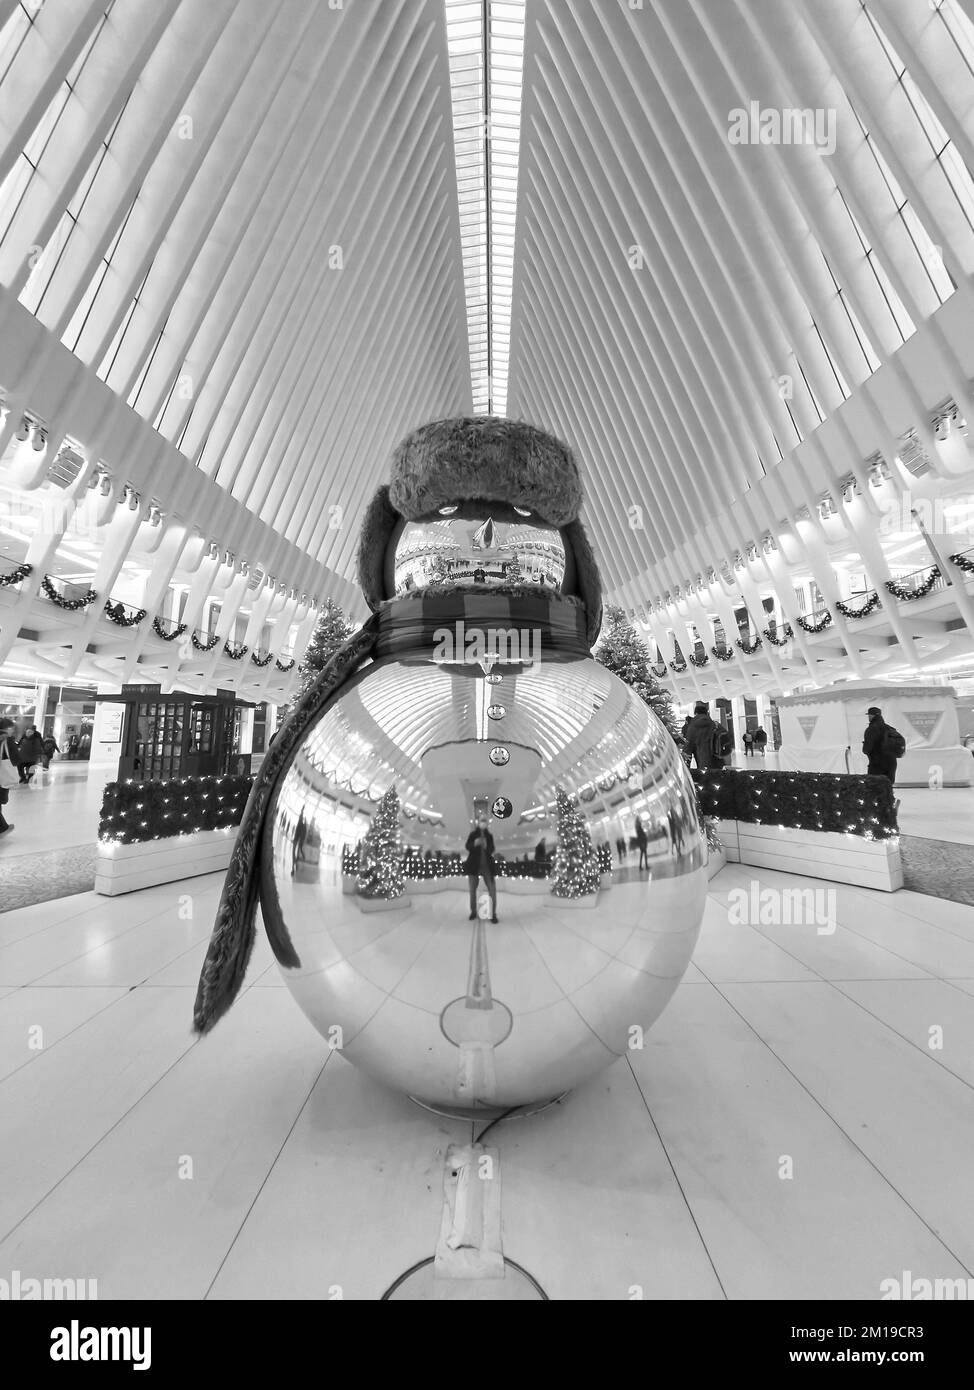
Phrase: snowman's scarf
pixel 401 626
pixel 235 928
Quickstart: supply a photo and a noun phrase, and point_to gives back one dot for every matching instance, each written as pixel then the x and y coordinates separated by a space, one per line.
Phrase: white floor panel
pixel 62 1105
pixel 128 1215
pixel 354 1199
pixel 780 1041
pixel 33 1020
pixel 729 1113
pixel 913 1119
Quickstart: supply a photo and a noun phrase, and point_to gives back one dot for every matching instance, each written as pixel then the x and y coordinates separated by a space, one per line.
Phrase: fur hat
pixel 450 461
pixel 484 458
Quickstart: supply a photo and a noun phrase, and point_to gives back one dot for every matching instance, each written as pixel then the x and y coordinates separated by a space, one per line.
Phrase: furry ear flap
pixel 378 524
pixel 588 582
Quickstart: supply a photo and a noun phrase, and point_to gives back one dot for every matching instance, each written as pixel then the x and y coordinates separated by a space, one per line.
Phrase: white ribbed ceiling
pixel 688 310
pixel 243 216
pixel 287 233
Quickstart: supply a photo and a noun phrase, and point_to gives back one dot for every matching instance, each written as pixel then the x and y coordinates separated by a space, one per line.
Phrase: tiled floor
pixel 796 1126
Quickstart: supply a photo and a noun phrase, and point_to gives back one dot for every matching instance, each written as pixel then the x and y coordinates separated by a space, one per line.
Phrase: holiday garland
pixel 116 611
pixel 262 661
pixel 71 605
pixel 870 606
pixel 284 665
pixel 816 624
pixel 15 575
pixel 658 669
pixel 237 652
pixel 699 661
pixel 781 641
pixel 962 561
pixel 206 646
pixel 678 667
pixel 723 653
pixel 749 648
pixel 177 630
pixel 906 595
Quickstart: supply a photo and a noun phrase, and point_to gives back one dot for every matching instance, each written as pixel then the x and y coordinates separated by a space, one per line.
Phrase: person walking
pixel 748 743
pixel 9 762
pixel 705 738
pixel 760 740
pixel 882 746
pixel 480 865
pixel 73 744
pixel 31 751
pixel 50 747
pixel 643 844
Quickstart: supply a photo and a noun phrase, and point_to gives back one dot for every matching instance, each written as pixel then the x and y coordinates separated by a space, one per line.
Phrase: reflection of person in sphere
pixel 298 843
pixel 642 841
pixel 480 865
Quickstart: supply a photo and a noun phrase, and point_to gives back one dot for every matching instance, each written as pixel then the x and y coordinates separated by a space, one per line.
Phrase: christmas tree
pixel 623 652
pixel 380 872
pixel 332 631
pixel 575 871
pixel 514 574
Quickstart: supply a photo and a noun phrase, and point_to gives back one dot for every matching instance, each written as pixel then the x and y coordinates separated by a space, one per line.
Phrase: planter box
pixel 127 868
pixel 381 904
pixel 817 854
pixel 590 900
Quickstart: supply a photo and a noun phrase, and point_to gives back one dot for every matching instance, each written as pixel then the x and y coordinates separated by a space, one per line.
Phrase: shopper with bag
pixel 9 764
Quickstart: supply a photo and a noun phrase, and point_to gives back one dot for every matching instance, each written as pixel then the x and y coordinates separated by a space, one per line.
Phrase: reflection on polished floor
pixel 666 1172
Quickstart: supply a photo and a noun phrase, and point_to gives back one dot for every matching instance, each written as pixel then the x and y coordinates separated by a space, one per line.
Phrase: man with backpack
pixel 883 745
pixel 707 741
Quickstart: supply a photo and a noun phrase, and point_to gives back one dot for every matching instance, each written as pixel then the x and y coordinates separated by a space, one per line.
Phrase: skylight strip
pixel 485 40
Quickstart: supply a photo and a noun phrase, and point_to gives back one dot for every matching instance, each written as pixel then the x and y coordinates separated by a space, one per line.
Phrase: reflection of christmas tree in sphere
pixel 380 861
pixel 576 866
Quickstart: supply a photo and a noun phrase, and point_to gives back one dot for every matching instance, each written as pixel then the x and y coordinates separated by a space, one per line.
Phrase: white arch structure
pixel 724 247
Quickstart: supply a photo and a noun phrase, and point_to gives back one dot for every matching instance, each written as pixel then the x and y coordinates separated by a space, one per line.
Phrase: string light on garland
pixel 678 667
pixel 70 605
pixel 133 812
pixel 749 648
pixel 15 575
pixel 236 652
pixel 177 629
pixel 963 562
pixel 285 665
pixel 816 624
pixel 116 612
pixel 907 595
pixel 658 669
pixel 786 635
pixel 262 661
pixel 206 646
pixel 870 606
pixel 723 653
pixel 840 803
pixel 698 661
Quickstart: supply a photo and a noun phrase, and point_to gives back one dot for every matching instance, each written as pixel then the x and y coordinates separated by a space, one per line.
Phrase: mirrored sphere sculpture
pixel 364 874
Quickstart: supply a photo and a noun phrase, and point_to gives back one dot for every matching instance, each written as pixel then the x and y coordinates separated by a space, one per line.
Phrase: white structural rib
pixel 745 239
pixel 242 218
